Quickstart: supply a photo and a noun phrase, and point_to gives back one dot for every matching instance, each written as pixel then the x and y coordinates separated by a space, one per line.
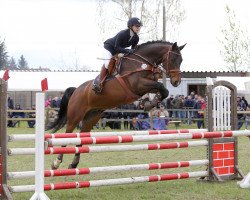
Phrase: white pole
pixel 39 166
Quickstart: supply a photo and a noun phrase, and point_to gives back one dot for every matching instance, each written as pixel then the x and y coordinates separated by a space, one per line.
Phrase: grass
pixel 189 189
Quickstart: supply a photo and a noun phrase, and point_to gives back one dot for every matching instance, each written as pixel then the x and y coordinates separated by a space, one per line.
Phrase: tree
pixel 3 55
pixel 22 63
pixel 149 11
pixel 12 64
pixel 235 44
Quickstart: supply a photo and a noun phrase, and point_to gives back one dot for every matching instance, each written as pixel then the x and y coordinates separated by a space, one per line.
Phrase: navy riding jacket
pixel 122 40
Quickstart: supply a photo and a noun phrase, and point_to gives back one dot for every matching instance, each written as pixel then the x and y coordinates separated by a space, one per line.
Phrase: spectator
pixel 31 123
pixel 104 117
pixel 55 102
pixel 241 103
pixel 182 113
pixel 10 107
pixel 48 102
pixel 160 117
pixel 177 103
pixel 115 124
pixel 245 101
pixel 247 117
pixel 142 119
pixel 17 115
pixel 10 103
pixel 127 115
pixel 189 104
pixel 241 106
pixel 200 105
pixel 169 106
pixel 192 94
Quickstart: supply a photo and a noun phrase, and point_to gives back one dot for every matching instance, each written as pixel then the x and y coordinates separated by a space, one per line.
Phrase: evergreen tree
pixel 12 64
pixel 3 55
pixel 22 63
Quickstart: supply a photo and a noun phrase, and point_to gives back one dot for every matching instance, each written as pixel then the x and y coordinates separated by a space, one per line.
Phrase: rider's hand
pixel 131 51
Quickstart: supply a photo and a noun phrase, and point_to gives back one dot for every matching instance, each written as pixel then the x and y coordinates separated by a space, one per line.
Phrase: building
pixel 23 84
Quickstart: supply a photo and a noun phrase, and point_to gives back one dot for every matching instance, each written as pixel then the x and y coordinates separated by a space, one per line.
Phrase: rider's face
pixel 136 28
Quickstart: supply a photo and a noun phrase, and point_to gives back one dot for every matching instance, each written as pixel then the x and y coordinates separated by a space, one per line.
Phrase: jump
pixel 138 74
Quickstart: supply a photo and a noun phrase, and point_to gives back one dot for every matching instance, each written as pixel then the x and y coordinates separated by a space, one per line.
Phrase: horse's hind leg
pixel 87 125
pixel 56 163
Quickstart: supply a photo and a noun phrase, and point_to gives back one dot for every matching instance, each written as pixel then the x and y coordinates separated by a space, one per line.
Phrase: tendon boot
pixel 98 83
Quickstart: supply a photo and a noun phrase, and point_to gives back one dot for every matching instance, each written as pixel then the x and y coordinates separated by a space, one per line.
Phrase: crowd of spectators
pixel 53 102
pixel 15 115
pixel 171 108
pixel 189 109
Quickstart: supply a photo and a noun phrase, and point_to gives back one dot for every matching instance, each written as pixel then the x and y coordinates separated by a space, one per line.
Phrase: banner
pixel 6 75
pixel 44 84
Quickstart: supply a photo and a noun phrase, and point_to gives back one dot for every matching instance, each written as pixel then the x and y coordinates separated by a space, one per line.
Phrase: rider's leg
pixel 98 84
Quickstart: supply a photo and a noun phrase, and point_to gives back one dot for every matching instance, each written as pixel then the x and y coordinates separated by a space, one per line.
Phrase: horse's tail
pixel 62 113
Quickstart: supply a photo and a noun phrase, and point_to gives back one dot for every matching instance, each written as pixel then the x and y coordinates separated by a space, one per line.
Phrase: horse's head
pixel 171 63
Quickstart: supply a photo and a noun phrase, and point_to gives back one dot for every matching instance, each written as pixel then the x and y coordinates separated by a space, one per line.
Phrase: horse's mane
pixel 153 42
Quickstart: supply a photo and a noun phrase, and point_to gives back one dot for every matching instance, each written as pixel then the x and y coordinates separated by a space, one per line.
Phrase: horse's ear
pixel 181 47
pixel 174 46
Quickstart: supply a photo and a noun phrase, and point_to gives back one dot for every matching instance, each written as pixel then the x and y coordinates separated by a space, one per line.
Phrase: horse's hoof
pixel 53 167
pixel 71 166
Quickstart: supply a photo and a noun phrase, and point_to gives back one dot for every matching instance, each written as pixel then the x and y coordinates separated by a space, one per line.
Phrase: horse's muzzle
pixel 175 78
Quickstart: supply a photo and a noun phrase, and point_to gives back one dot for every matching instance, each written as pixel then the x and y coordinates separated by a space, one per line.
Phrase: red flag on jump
pixel 44 84
pixel 6 75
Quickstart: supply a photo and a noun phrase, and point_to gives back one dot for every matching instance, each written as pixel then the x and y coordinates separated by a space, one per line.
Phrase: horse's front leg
pixel 159 96
pixel 162 90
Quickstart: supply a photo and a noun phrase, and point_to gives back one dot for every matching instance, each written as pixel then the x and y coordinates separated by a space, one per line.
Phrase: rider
pixel 117 44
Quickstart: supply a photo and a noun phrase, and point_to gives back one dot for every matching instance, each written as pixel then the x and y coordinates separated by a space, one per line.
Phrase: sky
pixel 60 33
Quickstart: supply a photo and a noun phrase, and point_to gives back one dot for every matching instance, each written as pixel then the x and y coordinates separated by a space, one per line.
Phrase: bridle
pixel 170 72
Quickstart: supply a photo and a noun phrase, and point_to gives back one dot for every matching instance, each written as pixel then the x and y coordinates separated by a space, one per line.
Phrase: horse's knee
pixel 165 93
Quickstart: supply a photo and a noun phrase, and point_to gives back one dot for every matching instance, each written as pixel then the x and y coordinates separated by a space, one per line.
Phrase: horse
pixel 138 74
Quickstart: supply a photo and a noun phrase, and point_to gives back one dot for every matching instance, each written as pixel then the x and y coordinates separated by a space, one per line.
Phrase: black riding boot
pixel 98 82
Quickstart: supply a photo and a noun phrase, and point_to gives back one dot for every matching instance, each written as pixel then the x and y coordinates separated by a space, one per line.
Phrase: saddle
pixel 112 71
pixel 114 64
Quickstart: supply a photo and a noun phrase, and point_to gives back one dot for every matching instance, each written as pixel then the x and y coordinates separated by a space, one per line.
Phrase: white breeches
pixel 106 56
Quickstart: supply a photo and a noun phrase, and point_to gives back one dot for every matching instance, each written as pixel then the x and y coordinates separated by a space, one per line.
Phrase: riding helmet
pixel 134 21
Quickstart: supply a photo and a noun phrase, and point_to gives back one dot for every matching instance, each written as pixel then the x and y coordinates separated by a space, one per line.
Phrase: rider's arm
pixel 119 40
pixel 135 42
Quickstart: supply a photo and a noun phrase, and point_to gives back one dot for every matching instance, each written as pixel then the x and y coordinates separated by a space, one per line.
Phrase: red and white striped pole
pixel 25 137
pixel 142 138
pixel 106 182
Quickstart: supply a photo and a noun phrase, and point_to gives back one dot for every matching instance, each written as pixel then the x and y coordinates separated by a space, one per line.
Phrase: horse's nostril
pixel 177 83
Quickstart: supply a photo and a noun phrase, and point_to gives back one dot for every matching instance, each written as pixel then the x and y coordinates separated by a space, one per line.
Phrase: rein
pixel 141 57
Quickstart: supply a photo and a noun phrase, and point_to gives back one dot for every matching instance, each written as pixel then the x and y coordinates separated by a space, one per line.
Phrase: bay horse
pixel 138 74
